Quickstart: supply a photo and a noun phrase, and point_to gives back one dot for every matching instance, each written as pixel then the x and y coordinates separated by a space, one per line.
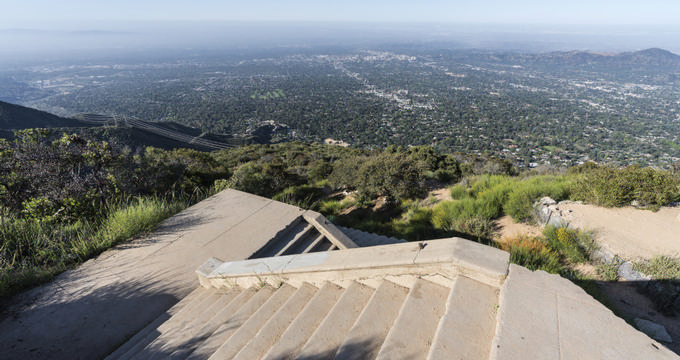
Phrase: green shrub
pixel 458 192
pixel 304 196
pixel 609 271
pixel 612 187
pixel 532 254
pixel 128 219
pixel 520 202
pixel 330 207
pixel 574 245
pixel 660 268
pixel 478 226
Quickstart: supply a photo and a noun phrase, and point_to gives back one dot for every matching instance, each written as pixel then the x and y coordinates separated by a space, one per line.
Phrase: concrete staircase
pixel 377 315
pixel 441 299
pixel 330 321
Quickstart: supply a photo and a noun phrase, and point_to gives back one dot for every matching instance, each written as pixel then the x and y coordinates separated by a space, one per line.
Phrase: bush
pixel 612 187
pixel 304 196
pixel 660 268
pixel 459 192
pixel 574 245
pixel 520 202
pixel 389 174
pixel 532 254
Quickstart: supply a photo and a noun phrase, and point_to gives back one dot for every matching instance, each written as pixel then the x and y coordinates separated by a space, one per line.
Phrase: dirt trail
pixel 629 232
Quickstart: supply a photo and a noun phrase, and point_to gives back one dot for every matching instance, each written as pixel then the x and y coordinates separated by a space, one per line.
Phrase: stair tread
pixel 177 318
pixel 275 327
pixel 254 323
pixel 415 327
pixel 171 340
pixel 296 239
pixel 176 323
pixel 319 238
pixel 140 335
pixel 328 337
pixel 467 328
pixel 219 336
pixel 296 335
pixel 368 333
pixel 184 350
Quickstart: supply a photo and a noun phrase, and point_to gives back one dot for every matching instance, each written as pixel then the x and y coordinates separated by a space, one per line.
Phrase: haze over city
pixel 41 26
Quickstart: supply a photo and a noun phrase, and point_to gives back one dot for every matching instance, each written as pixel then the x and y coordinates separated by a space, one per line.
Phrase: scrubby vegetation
pixel 660 268
pixel 552 252
pixel 66 197
pixel 614 187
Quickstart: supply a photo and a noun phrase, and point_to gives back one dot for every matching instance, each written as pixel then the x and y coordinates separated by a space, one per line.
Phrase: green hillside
pixel 17 117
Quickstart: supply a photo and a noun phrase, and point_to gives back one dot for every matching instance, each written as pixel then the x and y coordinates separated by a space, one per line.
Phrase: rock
pixel 626 272
pixel 547 201
pixel 604 255
pixel 653 330
pixel 635 203
pixel 548 213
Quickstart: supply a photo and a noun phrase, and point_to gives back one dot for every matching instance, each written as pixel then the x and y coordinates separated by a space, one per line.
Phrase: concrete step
pixel 328 337
pixel 276 244
pixel 299 238
pixel 139 336
pixel 177 323
pixel 170 341
pixel 368 333
pixel 224 332
pixel 415 327
pixel 316 244
pixel 302 328
pixel 177 320
pixel 254 323
pixel 225 314
pixel 468 326
pixel 277 325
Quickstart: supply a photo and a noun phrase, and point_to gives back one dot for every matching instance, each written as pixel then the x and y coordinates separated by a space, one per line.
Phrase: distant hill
pixel 650 58
pixel 134 133
pixel 17 117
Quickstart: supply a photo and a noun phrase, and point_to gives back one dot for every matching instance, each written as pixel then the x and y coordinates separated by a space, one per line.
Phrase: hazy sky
pixel 36 13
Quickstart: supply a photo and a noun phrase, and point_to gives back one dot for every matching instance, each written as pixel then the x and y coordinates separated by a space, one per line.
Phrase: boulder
pixel 653 330
pixel 626 272
pixel 547 201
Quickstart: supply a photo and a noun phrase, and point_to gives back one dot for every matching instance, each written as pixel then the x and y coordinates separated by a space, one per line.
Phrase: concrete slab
pixel 368 333
pixel 544 316
pixel 277 325
pixel 184 350
pixel 251 327
pixel 328 337
pixel 57 320
pixel 302 328
pixel 467 328
pixel 445 257
pixel 415 327
pixel 232 325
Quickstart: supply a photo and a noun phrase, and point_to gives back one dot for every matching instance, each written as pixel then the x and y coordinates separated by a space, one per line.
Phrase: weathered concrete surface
pixel 302 328
pixel 87 312
pixel 272 331
pixel 446 257
pixel 369 332
pixel 550 318
pixel 467 328
pixel 411 335
pixel 247 331
pixel 328 337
